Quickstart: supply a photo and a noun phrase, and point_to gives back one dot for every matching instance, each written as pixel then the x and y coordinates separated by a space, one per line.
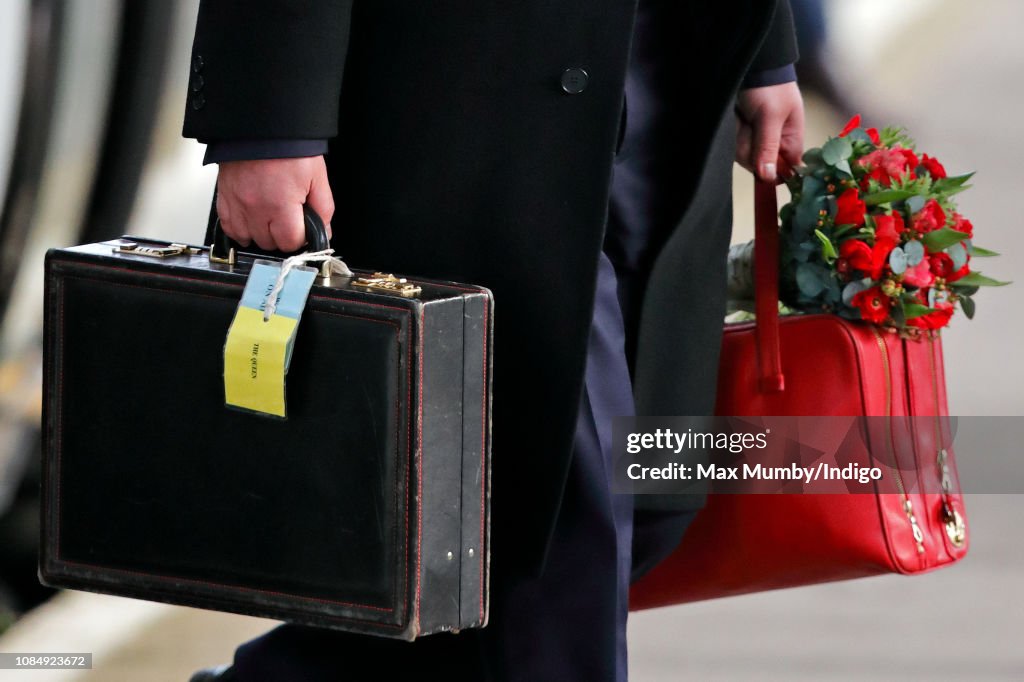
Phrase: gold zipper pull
pixel 947 479
pixel 908 507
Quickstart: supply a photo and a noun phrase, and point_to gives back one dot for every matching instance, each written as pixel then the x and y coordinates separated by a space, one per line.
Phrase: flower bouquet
pixel 872 233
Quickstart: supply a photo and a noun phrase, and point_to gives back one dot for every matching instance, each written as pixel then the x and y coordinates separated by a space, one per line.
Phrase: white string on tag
pixel 337 267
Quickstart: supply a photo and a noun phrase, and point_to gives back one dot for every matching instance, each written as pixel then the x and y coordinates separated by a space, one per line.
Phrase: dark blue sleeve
pixel 251 150
pixel 761 79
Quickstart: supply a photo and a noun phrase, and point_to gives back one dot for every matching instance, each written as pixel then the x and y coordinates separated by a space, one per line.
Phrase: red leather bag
pixel 818 365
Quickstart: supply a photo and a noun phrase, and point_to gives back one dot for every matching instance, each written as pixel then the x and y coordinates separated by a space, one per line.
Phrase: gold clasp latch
pixel 388 284
pixel 156 251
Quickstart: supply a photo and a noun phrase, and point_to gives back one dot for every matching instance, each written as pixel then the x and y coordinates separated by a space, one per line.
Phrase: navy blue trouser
pixel 568 625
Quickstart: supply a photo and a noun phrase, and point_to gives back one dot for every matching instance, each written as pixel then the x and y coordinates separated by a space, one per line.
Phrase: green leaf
pixel 977 251
pixel 859 135
pixel 898 316
pixel 807 214
pixel 951 183
pixel 811 279
pixel 841 230
pixel 980 280
pixel 801 251
pixel 891 136
pixel 828 251
pixel 898 261
pixel 964 291
pixel 952 192
pixel 887 196
pixel 811 188
pixel 832 294
pixel 915 252
pixel 854 288
pixel 812 157
pixel 908 297
pixel 967 305
pixel 835 150
pixel 912 310
pixel 844 167
pixel 942 238
pixel 958 254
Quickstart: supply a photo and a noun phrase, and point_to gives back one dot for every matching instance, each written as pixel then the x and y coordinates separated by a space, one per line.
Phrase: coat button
pixel 197 63
pixel 574 81
pixel 198 101
pixel 197 83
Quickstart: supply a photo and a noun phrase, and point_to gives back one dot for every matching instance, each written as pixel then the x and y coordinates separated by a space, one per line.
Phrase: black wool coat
pixel 457 153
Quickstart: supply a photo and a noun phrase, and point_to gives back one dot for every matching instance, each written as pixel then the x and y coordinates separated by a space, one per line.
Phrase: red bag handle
pixel 766 287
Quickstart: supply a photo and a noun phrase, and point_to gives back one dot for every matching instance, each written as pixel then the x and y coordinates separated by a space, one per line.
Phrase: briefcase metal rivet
pixel 450 556
pixel 471 552
pixel 229 260
pixel 324 278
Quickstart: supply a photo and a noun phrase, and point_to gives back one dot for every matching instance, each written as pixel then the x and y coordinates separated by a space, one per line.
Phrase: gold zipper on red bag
pixel 908 505
pixel 956 529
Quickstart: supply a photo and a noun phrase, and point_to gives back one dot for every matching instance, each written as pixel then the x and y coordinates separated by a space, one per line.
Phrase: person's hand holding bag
pixel 770 133
pixel 261 200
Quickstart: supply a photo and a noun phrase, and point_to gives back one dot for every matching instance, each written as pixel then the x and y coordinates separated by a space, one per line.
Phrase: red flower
pixel 887 236
pixel 850 209
pixel 920 275
pixel 889 227
pixel 910 157
pixel 943 310
pixel 886 165
pixel 880 256
pixel 852 125
pixel 933 167
pixel 878 175
pixel 873 304
pixel 962 224
pixel 942 266
pixel 857 253
pixel 929 218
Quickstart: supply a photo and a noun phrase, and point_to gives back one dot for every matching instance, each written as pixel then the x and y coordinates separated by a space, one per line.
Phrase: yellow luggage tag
pixel 259 343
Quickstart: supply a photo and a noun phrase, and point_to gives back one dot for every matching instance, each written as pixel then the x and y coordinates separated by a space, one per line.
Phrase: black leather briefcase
pixel 366 510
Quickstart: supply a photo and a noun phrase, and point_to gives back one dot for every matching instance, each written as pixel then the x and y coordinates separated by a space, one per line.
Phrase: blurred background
pixel 91 101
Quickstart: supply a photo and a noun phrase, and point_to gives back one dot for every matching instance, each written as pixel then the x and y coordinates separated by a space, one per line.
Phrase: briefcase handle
pixel 224 250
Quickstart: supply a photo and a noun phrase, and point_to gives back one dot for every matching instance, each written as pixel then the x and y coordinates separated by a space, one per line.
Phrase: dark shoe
pixel 222 673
